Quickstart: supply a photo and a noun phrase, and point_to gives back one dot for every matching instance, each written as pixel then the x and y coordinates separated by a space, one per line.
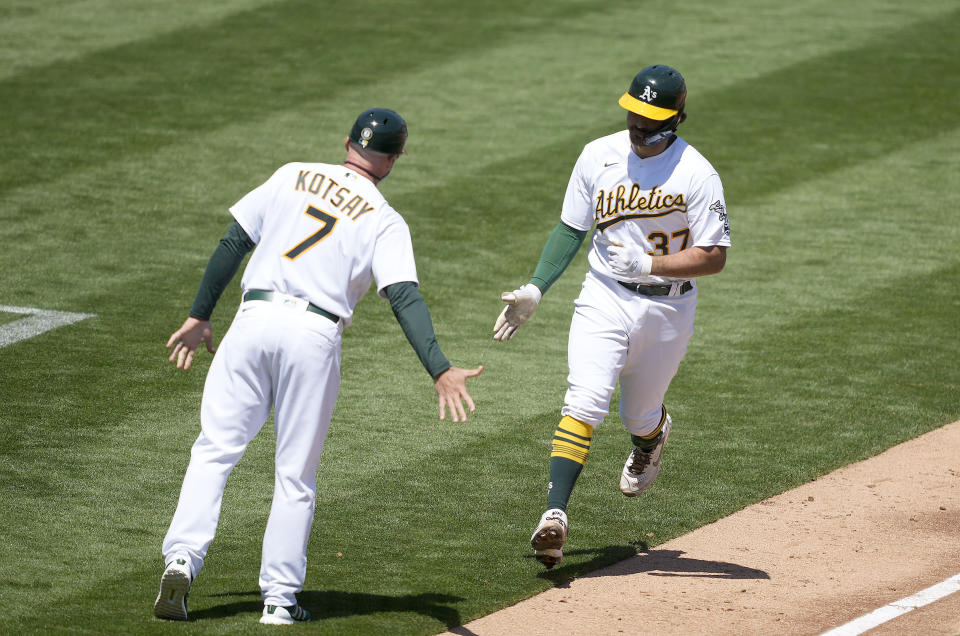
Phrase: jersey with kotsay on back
pixel 343 234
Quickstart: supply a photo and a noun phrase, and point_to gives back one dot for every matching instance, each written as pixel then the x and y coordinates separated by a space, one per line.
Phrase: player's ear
pixel 683 118
pixel 346 143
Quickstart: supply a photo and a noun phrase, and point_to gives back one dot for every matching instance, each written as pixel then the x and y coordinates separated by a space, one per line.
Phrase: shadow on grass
pixel 334 604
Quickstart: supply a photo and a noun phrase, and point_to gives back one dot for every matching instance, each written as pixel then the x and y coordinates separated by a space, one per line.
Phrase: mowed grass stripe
pixel 179 85
pixel 824 113
pixel 136 97
pixel 838 236
pixel 39 34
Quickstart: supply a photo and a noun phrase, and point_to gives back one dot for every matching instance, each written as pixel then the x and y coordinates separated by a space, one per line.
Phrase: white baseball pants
pixel 272 356
pixel 620 335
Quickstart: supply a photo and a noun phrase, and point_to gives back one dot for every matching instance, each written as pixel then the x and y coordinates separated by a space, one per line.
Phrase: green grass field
pixel 126 134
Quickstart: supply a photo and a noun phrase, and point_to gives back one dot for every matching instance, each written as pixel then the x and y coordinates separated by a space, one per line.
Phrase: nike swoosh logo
pixel 610 163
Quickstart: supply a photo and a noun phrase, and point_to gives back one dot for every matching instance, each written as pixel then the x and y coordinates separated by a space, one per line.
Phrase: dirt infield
pixel 802 562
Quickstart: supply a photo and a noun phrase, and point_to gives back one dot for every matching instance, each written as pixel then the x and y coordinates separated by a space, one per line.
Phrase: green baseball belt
pixel 656 290
pixel 262 294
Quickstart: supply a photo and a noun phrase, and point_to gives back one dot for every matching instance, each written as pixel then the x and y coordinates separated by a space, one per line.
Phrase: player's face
pixel 639 127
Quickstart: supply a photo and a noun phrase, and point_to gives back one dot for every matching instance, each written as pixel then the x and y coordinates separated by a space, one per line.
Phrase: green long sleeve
pixel 223 264
pixel 557 254
pixel 414 317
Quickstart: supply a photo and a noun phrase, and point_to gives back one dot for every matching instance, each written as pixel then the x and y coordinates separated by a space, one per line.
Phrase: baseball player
pixel 322 232
pixel 660 222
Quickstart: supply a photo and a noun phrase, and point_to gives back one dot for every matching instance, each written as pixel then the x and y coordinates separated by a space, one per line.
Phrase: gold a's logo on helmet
pixel 365 135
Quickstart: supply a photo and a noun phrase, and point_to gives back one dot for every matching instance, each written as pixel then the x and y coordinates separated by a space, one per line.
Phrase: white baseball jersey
pixel 322 233
pixel 665 203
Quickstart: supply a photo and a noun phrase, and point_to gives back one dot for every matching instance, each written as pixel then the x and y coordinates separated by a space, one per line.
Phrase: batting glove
pixel 521 303
pixel 629 260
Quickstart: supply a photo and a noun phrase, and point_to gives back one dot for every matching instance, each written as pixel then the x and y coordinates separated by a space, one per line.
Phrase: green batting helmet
pixel 381 130
pixel 657 92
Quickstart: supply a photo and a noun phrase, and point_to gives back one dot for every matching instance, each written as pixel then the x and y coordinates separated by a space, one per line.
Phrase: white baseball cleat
pixel 171 602
pixel 642 467
pixel 277 615
pixel 548 538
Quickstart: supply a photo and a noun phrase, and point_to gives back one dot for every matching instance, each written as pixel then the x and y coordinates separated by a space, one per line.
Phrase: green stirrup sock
pixel 571 445
pixel 563 476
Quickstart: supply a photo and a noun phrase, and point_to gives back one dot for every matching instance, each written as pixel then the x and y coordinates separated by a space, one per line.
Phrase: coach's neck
pixel 372 165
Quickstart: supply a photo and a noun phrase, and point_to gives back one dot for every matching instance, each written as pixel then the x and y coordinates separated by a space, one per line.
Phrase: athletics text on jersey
pixel 665 203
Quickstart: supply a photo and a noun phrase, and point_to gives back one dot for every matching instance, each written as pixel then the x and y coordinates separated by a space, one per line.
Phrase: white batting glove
pixel 521 303
pixel 629 260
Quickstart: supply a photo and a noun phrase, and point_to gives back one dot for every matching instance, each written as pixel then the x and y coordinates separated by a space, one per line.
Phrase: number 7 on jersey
pixel 327 227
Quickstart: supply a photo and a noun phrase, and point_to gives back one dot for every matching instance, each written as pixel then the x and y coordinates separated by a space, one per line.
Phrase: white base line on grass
pixel 897 608
pixel 38 321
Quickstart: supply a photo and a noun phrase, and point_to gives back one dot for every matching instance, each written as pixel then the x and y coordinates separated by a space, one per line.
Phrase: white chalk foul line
pixel 897 608
pixel 37 322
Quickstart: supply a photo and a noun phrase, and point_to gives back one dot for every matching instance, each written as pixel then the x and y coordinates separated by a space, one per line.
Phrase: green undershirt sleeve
pixel 223 264
pixel 414 317
pixel 557 254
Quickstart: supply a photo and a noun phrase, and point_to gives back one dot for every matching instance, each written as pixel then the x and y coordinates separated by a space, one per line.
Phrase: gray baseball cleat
pixel 171 602
pixel 642 467
pixel 277 615
pixel 548 538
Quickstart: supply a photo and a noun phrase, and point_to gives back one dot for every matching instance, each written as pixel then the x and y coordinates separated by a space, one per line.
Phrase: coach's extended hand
pixel 187 338
pixel 451 386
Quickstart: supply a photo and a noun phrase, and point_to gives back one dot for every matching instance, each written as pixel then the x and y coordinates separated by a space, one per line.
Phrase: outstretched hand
pixel 187 338
pixel 451 387
pixel 521 303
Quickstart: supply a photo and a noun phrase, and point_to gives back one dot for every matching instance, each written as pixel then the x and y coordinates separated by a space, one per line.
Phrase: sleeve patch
pixel 718 207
